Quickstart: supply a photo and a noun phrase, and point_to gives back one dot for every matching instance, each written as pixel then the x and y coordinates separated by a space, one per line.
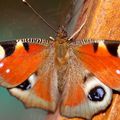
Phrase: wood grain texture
pixel 103 22
pixel 103 19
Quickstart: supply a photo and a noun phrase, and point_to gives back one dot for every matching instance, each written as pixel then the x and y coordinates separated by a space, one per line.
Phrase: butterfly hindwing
pixel 88 105
pixel 18 61
pixel 27 70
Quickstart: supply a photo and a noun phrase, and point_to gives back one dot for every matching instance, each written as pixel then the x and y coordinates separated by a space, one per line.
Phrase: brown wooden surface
pixel 103 22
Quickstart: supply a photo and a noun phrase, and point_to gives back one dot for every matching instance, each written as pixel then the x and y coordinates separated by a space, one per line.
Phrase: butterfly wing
pixel 27 70
pixel 102 59
pixel 81 91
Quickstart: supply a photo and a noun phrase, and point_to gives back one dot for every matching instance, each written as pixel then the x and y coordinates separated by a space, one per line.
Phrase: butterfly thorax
pixel 61 46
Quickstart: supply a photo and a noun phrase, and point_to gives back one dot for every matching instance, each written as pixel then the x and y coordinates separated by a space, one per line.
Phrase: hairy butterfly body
pixel 77 76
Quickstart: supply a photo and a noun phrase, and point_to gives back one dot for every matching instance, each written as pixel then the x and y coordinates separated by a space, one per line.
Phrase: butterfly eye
pixel 97 94
pixel 27 84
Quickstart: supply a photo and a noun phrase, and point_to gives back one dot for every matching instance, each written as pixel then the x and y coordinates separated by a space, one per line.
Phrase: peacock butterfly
pixel 75 75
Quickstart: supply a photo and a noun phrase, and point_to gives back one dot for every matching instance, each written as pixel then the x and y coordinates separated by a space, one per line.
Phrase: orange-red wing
pixel 18 61
pixel 102 59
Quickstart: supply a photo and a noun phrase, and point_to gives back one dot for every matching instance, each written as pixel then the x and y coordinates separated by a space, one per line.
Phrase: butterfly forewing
pixel 19 60
pixel 102 59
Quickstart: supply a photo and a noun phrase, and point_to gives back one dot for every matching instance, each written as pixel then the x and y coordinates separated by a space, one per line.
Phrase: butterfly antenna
pixel 78 31
pixel 24 1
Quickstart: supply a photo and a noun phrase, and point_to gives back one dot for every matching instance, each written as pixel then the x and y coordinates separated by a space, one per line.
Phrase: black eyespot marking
pixel 112 48
pixel 97 94
pixel 26 85
pixel 26 46
pixel 95 46
pixel 9 47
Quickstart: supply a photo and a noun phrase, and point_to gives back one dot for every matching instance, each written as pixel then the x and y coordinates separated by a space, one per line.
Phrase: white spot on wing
pixel 118 72
pixel 2 52
pixel 8 70
pixel 1 65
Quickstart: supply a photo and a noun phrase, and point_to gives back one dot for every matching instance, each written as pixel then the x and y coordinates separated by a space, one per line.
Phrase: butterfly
pixel 76 75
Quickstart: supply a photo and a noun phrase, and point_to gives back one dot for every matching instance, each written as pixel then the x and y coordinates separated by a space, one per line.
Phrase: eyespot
pixel 97 94
pixel 28 83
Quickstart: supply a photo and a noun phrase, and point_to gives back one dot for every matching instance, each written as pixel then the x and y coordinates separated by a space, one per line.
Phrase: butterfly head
pixel 61 34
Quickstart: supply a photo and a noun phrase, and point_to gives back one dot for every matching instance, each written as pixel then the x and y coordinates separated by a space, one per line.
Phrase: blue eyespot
pixel 97 94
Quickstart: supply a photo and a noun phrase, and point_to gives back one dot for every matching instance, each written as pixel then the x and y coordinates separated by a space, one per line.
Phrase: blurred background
pixel 18 21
